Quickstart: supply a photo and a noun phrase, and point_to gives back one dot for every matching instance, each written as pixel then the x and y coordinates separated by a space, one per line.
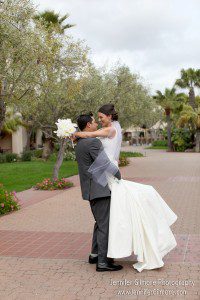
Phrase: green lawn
pixel 157 147
pixel 21 176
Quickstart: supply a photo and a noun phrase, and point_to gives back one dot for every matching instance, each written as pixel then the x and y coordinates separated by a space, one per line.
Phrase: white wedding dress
pixel 140 219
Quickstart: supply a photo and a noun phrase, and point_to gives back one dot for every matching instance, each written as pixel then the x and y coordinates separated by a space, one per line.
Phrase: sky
pixel 155 38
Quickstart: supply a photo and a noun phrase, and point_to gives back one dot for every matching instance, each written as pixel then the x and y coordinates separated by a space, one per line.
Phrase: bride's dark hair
pixel 109 109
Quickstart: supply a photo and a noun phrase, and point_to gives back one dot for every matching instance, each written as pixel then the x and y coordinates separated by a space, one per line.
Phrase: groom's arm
pixel 95 148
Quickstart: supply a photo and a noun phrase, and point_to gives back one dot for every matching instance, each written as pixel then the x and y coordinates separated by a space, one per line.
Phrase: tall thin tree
pixel 54 20
pixel 169 100
pixel 189 79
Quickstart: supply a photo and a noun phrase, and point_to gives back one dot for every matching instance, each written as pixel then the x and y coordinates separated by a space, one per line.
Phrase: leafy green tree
pixel 91 93
pixel 20 47
pixel 131 97
pixel 198 101
pixel 63 61
pixel 39 69
pixel 120 87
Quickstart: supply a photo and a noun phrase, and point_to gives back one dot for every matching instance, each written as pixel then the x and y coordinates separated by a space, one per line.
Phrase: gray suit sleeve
pixel 95 148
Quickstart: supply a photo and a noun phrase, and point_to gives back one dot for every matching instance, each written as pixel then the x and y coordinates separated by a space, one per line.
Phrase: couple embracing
pixel 129 217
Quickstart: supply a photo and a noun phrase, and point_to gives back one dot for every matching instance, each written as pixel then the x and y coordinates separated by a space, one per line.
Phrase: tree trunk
pixel 192 98
pixel 59 158
pixel 47 147
pixel 2 103
pixel 169 138
pixel 197 140
pixel 28 142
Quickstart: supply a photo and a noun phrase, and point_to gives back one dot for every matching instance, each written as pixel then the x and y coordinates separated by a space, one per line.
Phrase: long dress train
pixel 140 222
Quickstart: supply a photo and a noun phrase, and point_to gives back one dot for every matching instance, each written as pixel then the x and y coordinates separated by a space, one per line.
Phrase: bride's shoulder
pixel 116 125
pixel 112 132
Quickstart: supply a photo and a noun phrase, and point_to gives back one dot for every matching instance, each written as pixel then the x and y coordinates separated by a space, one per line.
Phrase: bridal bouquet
pixel 65 128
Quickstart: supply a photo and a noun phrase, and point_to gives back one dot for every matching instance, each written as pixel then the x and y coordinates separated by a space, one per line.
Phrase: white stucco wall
pixel 19 139
pixel 38 138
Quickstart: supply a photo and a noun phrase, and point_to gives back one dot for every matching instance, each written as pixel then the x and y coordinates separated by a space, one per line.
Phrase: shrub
pixel 123 161
pixel 57 184
pixel 181 139
pixel 8 201
pixel 56 147
pixel 53 157
pixel 37 153
pixel 26 155
pixel 157 143
pixel 130 154
pixel 70 155
pixel 11 157
pixel 2 158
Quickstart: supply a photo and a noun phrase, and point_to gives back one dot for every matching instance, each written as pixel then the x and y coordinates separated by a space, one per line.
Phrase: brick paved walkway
pixel 44 247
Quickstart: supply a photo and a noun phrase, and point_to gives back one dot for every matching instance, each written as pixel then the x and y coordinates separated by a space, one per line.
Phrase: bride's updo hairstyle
pixel 109 109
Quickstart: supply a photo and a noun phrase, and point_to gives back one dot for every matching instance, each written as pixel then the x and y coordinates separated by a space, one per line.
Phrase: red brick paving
pixel 77 245
pixel 44 246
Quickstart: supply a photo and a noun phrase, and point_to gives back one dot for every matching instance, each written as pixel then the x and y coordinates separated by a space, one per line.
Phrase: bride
pixel 140 219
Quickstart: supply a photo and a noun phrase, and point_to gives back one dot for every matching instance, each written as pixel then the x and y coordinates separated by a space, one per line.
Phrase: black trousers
pixel 101 211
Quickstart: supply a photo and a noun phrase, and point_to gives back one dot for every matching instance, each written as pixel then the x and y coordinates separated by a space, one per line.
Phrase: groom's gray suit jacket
pixel 87 150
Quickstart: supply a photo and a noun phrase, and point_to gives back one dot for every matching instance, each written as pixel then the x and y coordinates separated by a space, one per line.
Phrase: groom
pixel 87 150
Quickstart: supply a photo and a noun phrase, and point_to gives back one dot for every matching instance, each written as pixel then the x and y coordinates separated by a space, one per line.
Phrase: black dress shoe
pixel 93 259
pixel 103 267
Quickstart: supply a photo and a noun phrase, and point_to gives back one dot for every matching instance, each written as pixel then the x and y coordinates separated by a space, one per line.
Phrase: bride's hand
pixel 73 138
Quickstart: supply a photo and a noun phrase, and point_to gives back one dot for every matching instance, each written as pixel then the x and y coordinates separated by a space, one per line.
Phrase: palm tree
pixel 190 79
pixel 12 121
pixel 54 23
pixel 50 18
pixel 169 101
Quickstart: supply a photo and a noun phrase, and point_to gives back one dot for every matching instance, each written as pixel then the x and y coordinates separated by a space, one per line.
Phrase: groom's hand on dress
pixel 117 180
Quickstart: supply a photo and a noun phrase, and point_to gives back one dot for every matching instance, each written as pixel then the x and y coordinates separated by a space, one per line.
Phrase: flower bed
pixel 58 184
pixel 8 201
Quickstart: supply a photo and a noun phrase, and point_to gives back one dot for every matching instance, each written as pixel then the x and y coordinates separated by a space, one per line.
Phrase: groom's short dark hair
pixel 82 120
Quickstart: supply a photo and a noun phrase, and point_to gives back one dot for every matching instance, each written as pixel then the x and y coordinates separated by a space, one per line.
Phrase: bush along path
pixel 8 201
pixel 56 184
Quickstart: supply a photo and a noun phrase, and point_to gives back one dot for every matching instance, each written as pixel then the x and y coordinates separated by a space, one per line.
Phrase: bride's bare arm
pixel 104 132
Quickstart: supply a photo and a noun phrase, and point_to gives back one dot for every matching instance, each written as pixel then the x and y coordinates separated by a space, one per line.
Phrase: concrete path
pixel 44 246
